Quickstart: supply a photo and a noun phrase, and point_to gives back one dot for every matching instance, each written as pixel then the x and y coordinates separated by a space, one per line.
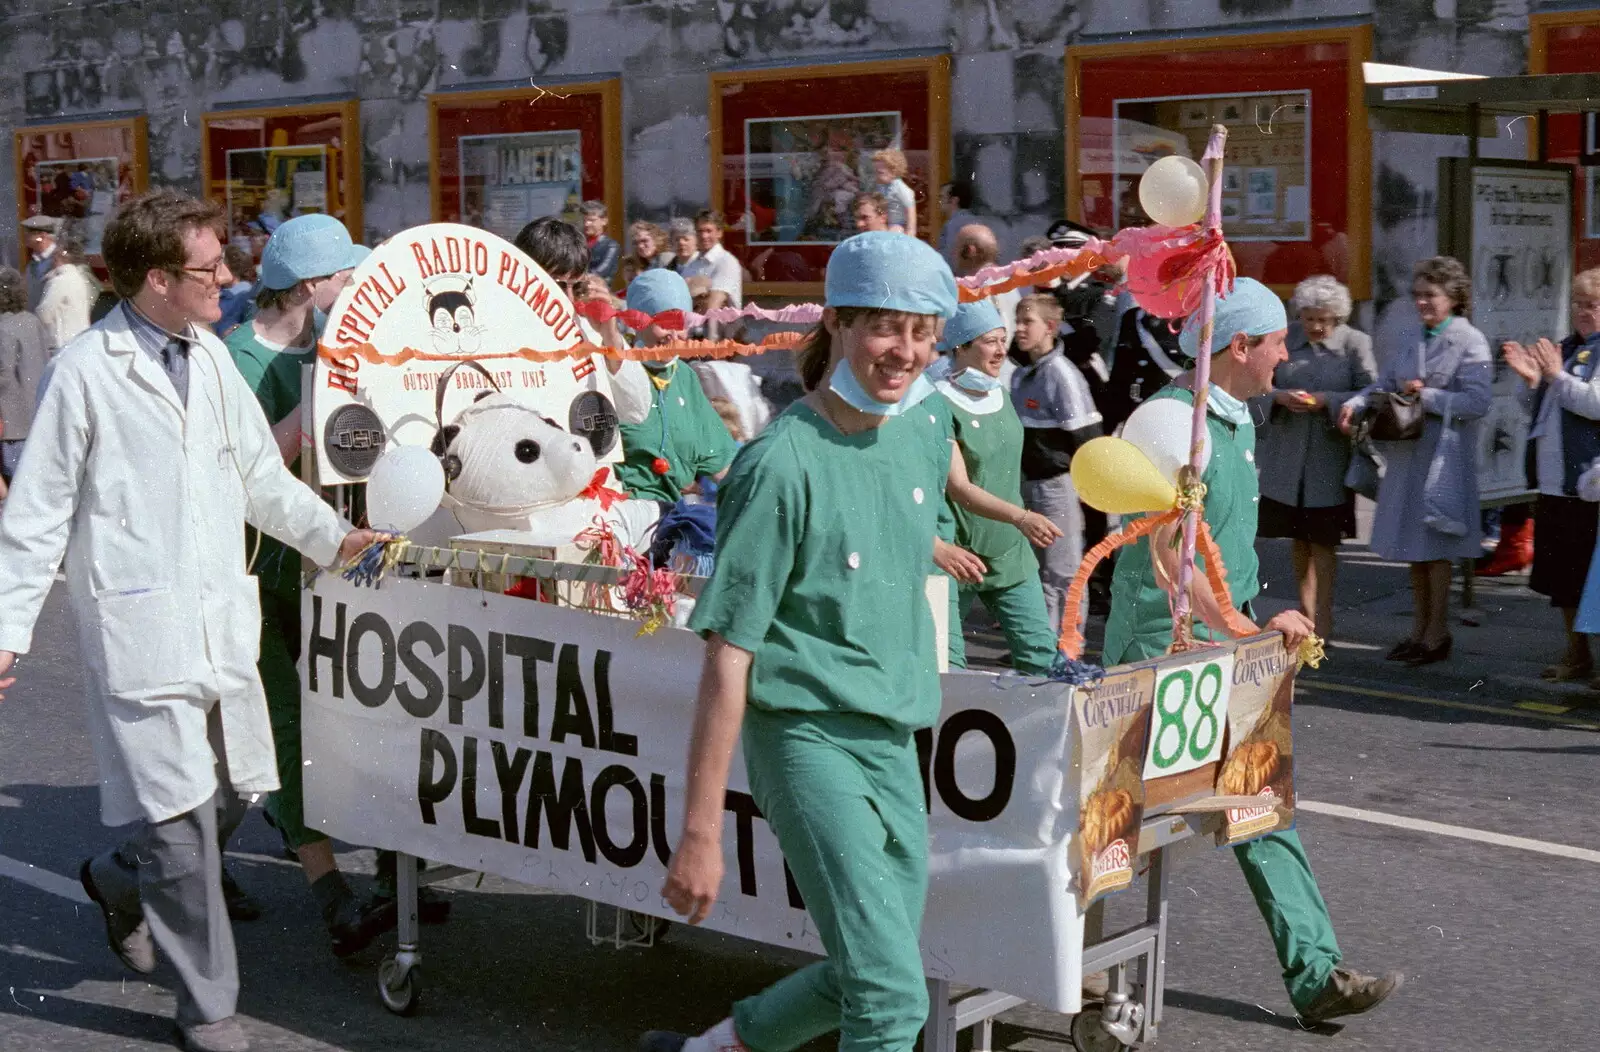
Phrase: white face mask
pixel 975 381
pixel 842 382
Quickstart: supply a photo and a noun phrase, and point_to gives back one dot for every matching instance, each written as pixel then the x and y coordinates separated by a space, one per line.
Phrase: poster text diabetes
pixel 549 799
pixel 1517 195
pixel 459 256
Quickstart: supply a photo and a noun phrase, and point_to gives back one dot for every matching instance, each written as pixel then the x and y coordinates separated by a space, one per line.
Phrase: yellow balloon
pixel 1111 474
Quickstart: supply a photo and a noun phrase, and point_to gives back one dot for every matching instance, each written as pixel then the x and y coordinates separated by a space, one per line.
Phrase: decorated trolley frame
pixel 512 716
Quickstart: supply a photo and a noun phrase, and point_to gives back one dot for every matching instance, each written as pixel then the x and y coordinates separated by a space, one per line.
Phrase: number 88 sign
pixel 1190 716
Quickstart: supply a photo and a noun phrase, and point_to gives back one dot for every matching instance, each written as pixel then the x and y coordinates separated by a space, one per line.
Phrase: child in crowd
pixel 890 168
pixel 1058 416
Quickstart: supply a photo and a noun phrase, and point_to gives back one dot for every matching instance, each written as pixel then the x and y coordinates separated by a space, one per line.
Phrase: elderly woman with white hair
pixel 1302 453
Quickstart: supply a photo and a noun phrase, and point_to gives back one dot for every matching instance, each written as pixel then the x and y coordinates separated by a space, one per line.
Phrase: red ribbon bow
pixel 597 490
pixel 600 312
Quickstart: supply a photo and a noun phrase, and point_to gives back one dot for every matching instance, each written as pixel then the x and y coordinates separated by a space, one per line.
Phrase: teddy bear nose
pixel 527 451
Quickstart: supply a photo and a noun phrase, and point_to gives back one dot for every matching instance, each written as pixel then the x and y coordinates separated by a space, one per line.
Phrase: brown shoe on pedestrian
pixel 1350 993
pixel 225 1035
pixel 127 933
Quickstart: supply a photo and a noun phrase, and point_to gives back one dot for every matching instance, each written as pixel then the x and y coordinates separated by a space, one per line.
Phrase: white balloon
pixel 1174 191
pixel 404 488
pixel 1160 428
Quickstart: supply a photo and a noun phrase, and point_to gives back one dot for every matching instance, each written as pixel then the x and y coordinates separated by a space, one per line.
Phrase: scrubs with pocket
pixel 823 543
pixel 1140 626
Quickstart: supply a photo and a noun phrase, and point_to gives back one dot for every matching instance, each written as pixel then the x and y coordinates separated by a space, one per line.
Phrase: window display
pixel 1296 193
pixel 792 147
pixel 1567 43
pixel 271 164
pixel 80 173
pixel 505 158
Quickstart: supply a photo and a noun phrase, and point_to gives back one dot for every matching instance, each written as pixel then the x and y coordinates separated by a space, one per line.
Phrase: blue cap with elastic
pixel 888 271
pixel 1251 308
pixel 971 321
pixel 659 290
pixel 306 247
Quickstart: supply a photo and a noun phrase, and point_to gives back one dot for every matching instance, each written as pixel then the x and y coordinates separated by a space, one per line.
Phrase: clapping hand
pixel 1522 362
pixel 1548 357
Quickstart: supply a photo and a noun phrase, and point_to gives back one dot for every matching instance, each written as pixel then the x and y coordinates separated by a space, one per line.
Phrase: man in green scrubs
pixel 819 646
pixel 682 438
pixel 1247 345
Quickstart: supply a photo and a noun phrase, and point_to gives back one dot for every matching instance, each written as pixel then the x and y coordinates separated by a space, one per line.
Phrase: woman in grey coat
pixel 1428 500
pixel 25 346
pixel 1302 454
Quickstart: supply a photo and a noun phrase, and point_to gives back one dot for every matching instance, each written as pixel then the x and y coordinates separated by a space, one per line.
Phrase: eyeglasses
pixel 213 273
pixel 1586 304
pixel 573 286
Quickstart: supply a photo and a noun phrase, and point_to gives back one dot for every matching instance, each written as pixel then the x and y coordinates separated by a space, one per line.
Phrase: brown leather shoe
pixel 224 1035
pixel 127 933
pixel 1350 993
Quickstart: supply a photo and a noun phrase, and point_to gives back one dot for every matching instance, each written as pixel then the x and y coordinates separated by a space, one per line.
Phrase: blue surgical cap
pixel 1251 308
pixel 971 321
pixel 305 247
pixel 888 271
pixel 659 290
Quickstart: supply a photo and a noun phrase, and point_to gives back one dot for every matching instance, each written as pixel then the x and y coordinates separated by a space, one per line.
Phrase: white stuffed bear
pixel 509 467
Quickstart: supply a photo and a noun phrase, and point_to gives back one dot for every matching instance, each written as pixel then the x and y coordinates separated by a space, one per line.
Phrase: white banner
pixel 1521 281
pixel 450 305
pixel 547 746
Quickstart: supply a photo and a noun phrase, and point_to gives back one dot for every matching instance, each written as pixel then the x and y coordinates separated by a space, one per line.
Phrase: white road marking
pixel 1422 825
pixel 42 879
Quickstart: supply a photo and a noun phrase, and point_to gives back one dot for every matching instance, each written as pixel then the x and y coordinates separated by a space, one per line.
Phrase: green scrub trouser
pixel 280 648
pixel 1286 893
pixel 1021 612
pixel 1279 874
pixel 843 793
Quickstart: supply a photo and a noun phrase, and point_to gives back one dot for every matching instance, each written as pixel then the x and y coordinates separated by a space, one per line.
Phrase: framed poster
pixel 1298 196
pixel 1511 221
pixel 80 173
pixel 1268 160
pixel 790 148
pixel 503 158
pixel 272 163
pixel 507 181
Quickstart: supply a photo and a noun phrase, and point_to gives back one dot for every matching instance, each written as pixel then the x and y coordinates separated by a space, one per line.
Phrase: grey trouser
pixel 1057 501
pixel 173 870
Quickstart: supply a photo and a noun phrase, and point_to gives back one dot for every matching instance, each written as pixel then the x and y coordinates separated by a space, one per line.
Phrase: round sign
pixel 354 439
pixel 593 417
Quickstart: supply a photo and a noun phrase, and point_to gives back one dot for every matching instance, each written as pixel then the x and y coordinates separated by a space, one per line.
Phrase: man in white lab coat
pixel 148 455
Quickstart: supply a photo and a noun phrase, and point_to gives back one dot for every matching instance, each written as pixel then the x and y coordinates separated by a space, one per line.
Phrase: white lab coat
pixel 147 500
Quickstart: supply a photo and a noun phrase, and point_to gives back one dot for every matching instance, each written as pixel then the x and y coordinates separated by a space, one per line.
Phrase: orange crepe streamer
pixel 677 349
pixel 1083 263
pixel 1071 641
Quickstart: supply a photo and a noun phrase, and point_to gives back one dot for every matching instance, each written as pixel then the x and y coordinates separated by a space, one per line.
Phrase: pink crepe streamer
pixel 794 314
pixel 1181 630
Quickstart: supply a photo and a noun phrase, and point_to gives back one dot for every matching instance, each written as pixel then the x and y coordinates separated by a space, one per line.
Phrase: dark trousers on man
pixel 172 871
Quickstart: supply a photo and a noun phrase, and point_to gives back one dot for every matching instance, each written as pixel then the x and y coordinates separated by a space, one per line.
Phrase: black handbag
pixel 1392 417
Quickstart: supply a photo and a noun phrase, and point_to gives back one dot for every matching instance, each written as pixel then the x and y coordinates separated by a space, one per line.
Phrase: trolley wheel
pixel 399 993
pixel 1088 1035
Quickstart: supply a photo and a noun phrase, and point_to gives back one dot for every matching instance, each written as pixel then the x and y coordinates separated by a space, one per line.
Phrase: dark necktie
pixel 175 360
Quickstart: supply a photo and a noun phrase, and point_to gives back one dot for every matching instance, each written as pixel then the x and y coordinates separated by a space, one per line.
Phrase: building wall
pixel 175 59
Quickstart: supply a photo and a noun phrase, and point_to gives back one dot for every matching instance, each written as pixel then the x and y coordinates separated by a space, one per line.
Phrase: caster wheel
pixel 1087 1033
pixel 399 996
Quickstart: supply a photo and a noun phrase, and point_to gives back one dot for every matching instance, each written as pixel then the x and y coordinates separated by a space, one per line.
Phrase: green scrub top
pixel 683 427
pixel 944 423
pixel 273 373
pixel 823 544
pixel 1140 625
pixel 991 448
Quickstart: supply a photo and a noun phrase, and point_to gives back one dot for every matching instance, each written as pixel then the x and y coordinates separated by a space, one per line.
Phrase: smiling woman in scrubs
pixel 985 493
pixel 820 648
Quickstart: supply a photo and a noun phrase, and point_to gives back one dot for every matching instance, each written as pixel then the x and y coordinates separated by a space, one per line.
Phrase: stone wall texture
pixel 175 59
